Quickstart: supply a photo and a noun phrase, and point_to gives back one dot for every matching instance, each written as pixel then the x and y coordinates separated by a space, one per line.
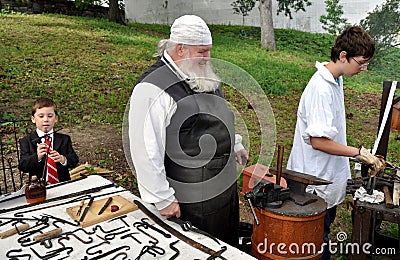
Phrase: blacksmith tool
pixel 49 234
pixel 176 233
pixel 57 219
pixel 86 209
pixel 67 196
pixel 14 230
pixel 10 254
pixel 176 250
pixel 131 236
pixel 187 226
pixel 21 213
pixel 120 218
pixel 279 164
pixel 80 207
pixel 152 250
pixel 47 188
pixel 105 206
pixel 110 252
pixel 147 224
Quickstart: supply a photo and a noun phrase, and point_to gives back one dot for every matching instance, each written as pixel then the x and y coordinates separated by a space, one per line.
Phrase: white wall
pixel 221 12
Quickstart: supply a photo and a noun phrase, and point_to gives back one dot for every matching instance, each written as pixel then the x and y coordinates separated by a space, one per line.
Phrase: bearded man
pixel 181 135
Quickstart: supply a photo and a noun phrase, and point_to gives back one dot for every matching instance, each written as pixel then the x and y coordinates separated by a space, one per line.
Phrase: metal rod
pixel 88 195
pixel 279 164
pixel 47 188
pixel 72 195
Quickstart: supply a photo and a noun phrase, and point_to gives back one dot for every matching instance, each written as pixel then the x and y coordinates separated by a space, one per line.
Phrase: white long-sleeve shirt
pixel 321 113
pixel 150 113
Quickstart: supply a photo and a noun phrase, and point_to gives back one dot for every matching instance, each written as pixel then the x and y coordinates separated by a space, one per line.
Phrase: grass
pixel 89 66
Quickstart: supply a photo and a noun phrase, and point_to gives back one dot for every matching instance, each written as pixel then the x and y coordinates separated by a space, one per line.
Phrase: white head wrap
pixel 190 30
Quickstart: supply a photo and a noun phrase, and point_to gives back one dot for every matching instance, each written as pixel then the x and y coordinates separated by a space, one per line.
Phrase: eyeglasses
pixel 362 65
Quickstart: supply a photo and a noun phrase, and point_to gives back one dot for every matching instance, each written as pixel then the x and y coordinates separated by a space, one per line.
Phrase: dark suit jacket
pixel 28 155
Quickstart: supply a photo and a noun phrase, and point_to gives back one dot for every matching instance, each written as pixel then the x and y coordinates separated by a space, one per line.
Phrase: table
pixel 117 239
pixel 366 217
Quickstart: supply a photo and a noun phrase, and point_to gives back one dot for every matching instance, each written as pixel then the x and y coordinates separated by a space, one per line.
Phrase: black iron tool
pixel 86 209
pixel 176 233
pixel 105 206
pixel 80 207
pixel 187 226
pixel 67 196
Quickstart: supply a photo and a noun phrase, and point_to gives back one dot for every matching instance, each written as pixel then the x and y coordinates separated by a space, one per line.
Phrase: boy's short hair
pixel 43 102
pixel 355 42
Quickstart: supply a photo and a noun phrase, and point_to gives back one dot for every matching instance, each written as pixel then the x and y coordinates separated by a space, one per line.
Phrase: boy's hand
pixel 41 151
pixel 377 164
pixel 57 157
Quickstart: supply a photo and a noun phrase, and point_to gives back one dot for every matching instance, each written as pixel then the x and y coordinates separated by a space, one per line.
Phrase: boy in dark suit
pixel 58 147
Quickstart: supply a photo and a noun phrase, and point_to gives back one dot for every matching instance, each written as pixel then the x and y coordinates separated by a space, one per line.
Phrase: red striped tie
pixel 51 164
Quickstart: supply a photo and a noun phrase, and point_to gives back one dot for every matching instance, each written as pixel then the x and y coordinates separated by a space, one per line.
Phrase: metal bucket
pixel 289 232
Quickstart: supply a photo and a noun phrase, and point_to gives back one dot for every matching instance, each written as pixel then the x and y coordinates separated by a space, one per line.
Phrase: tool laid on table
pixel 179 235
pixel 105 206
pixel 187 226
pixel 49 234
pixel 80 207
pixel 86 209
pixel 14 230
pixel 67 196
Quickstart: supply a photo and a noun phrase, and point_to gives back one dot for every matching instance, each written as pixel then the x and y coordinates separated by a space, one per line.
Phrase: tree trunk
pixel 114 14
pixel 267 25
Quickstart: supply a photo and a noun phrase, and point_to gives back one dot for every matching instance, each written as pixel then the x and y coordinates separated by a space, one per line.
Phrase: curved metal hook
pixel 131 236
pixel 80 239
pixel 111 236
pixel 176 250
pixel 9 254
pixel 62 238
pixel 102 230
pixel 83 230
pixel 58 250
pixel 121 253
pixel 138 227
pixel 98 251
pixel 46 243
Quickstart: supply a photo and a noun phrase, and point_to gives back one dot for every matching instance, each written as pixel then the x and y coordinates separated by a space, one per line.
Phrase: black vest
pixel 199 158
pixel 200 136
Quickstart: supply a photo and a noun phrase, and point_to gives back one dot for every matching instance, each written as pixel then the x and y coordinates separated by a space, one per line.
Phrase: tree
pixel 383 24
pixel 266 21
pixel 333 22
pixel 114 11
pixel 243 7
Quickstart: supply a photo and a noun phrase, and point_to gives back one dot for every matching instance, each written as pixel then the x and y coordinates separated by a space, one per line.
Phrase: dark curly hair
pixel 355 42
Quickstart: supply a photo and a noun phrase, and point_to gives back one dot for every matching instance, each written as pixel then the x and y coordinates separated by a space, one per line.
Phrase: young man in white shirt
pixel 320 147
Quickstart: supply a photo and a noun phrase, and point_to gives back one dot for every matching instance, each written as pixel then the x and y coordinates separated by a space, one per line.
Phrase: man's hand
pixel 377 163
pixel 242 157
pixel 172 210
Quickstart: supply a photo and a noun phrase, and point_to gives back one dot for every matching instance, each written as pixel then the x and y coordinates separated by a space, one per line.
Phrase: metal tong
pixel 187 226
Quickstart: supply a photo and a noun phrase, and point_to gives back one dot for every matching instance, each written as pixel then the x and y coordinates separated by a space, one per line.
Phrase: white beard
pixel 201 77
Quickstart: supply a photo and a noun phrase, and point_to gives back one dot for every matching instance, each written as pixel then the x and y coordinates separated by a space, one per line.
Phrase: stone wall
pixel 221 12
pixel 53 6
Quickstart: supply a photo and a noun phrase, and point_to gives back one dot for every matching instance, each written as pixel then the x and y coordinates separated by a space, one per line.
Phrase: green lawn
pixel 89 67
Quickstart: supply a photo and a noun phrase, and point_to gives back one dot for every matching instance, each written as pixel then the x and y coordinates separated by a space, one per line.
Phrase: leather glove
pixel 376 163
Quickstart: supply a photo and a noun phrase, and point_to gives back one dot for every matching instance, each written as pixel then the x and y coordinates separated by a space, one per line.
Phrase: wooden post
pixel 383 144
